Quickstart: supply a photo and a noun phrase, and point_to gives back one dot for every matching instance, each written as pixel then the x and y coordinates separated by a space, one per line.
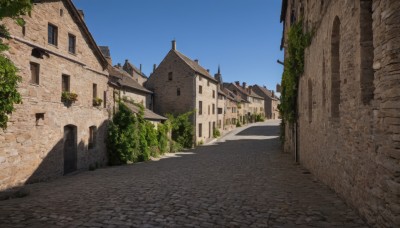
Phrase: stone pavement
pixel 242 180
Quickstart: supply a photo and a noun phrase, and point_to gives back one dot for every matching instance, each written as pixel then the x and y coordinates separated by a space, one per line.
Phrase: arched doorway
pixel 70 149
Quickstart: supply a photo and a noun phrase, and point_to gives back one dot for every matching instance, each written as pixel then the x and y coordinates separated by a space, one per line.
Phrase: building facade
pixel 348 120
pixel 270 101
pixel 181 85
pixel 49 135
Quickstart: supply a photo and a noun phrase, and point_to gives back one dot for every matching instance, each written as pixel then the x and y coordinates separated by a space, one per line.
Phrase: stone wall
pixel 31 148
pixel 354 150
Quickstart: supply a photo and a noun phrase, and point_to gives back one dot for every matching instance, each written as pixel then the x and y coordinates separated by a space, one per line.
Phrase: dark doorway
pixel 70 149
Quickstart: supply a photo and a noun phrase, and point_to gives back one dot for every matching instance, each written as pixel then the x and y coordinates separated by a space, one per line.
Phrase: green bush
pixel 259 118
pixel 162 136
pixel 238 124
pixel 175 147
pixel 216 133
pixel 182 129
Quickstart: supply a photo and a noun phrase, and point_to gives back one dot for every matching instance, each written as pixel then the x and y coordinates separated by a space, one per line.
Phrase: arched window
pixel 366 52
pixel 335 69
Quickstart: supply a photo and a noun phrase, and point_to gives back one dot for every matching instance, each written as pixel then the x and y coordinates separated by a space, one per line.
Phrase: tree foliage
pixel 293 69
pixel 9 79
pixel 182 129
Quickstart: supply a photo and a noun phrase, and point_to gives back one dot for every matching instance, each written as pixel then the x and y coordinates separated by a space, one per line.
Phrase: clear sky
pixel 243 36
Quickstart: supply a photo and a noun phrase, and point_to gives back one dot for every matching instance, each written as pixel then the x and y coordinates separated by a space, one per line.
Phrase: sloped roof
pixel 75 14
pixel 135 69
pixel 266 92
pixel 195 66
pixel 148 114
pixel 126 80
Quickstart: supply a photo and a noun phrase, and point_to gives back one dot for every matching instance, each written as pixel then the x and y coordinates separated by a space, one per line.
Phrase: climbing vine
pixel 297 42
pixel 9 78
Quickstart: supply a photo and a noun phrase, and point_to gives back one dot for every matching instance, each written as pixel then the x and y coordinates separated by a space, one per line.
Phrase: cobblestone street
pixel 242 180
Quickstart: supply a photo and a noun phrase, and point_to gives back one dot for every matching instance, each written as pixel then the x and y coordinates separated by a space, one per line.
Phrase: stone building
pixel 126 88
pixel 270 101
pixel 136 73
pixel 181 85
pixel 232 115
pixel 252 104
pixel 48 136
pixel 348 116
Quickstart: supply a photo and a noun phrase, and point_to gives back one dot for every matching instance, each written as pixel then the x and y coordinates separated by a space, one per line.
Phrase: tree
pixel 9 79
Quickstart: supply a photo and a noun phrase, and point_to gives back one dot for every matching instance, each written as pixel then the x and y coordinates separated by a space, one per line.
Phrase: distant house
pixel 134 72
pixel 128 89
pixel 270 101
pixel 61 125
pixel 181 85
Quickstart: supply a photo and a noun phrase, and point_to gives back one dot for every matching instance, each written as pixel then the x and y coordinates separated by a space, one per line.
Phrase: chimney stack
pixel 273 93
pixel 174 45
pixel 197 61
pixel 264 87
pixel 237 83
pixel 81 14
pixel 244 85
pixel 154 67
pixel 208 70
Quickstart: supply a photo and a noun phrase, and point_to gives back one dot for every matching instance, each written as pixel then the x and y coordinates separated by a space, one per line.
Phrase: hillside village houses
pixel 270 101
pixel 61 125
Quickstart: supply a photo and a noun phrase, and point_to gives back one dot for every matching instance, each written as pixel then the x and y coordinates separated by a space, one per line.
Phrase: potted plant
pixel 69 97
pixel 97 101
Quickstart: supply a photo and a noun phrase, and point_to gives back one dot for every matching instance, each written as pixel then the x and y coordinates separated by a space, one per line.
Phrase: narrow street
pixel 242 180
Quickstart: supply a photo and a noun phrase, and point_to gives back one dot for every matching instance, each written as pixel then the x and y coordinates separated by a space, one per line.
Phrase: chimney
pixel 237 83
pixel 81 14
pixel 264 87
pixel 208 70
pixel 174 45
pixel 197 61
pixel 119 65
pixel 140 68
pixel 244 85
pixel 273 93
pixel 154 67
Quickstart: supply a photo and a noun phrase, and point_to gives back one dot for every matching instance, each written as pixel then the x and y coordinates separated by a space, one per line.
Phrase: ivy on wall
pixel 297 42
pixel 9 78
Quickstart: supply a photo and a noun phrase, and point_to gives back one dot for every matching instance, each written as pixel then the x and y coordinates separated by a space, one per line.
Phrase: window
pixel 208 83
pixel 170 76
pixel 200 107
pixel 213 93
pixel 52 34
pixel 219 110
pixel 65 83
pixel 35 73
pixel 94 91
pixel 61 12
pixel 200 89
pixel 310 100
pixel 23 30
pixel 71 43
pixel 366 52
pixel 213 108
pixel 92 137
pixel 209 109
pixel 105 99
pixel 335 69
pixel 178 91
pixel 200 129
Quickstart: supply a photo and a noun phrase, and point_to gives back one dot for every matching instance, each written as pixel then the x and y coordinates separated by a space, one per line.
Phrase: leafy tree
pixel 8 71
pixel 182 129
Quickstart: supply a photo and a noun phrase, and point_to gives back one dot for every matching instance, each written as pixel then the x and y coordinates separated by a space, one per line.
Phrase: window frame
pixel 37 71
pixel 53 39
pixel 71 37
pixel 68 81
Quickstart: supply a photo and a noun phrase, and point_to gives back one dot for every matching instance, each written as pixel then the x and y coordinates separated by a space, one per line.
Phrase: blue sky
pixel 243 36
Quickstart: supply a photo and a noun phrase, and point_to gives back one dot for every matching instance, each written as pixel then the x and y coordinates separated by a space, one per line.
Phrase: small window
pixel 92 137
pixel 105 99
pixel 200 89
pixel 213 93
pixel 170 76
pixel 39 119
pixel 94 90
pixel 35 73
pixel 219 110
pixel 209 110
pixel 23 30
pixel 178 91
pixel 208 83
pixel 200 129
pixel 61 12
pixel 71 44
pixel 200 107
pixel 213 108
pixel 52 34
pixel 65 83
